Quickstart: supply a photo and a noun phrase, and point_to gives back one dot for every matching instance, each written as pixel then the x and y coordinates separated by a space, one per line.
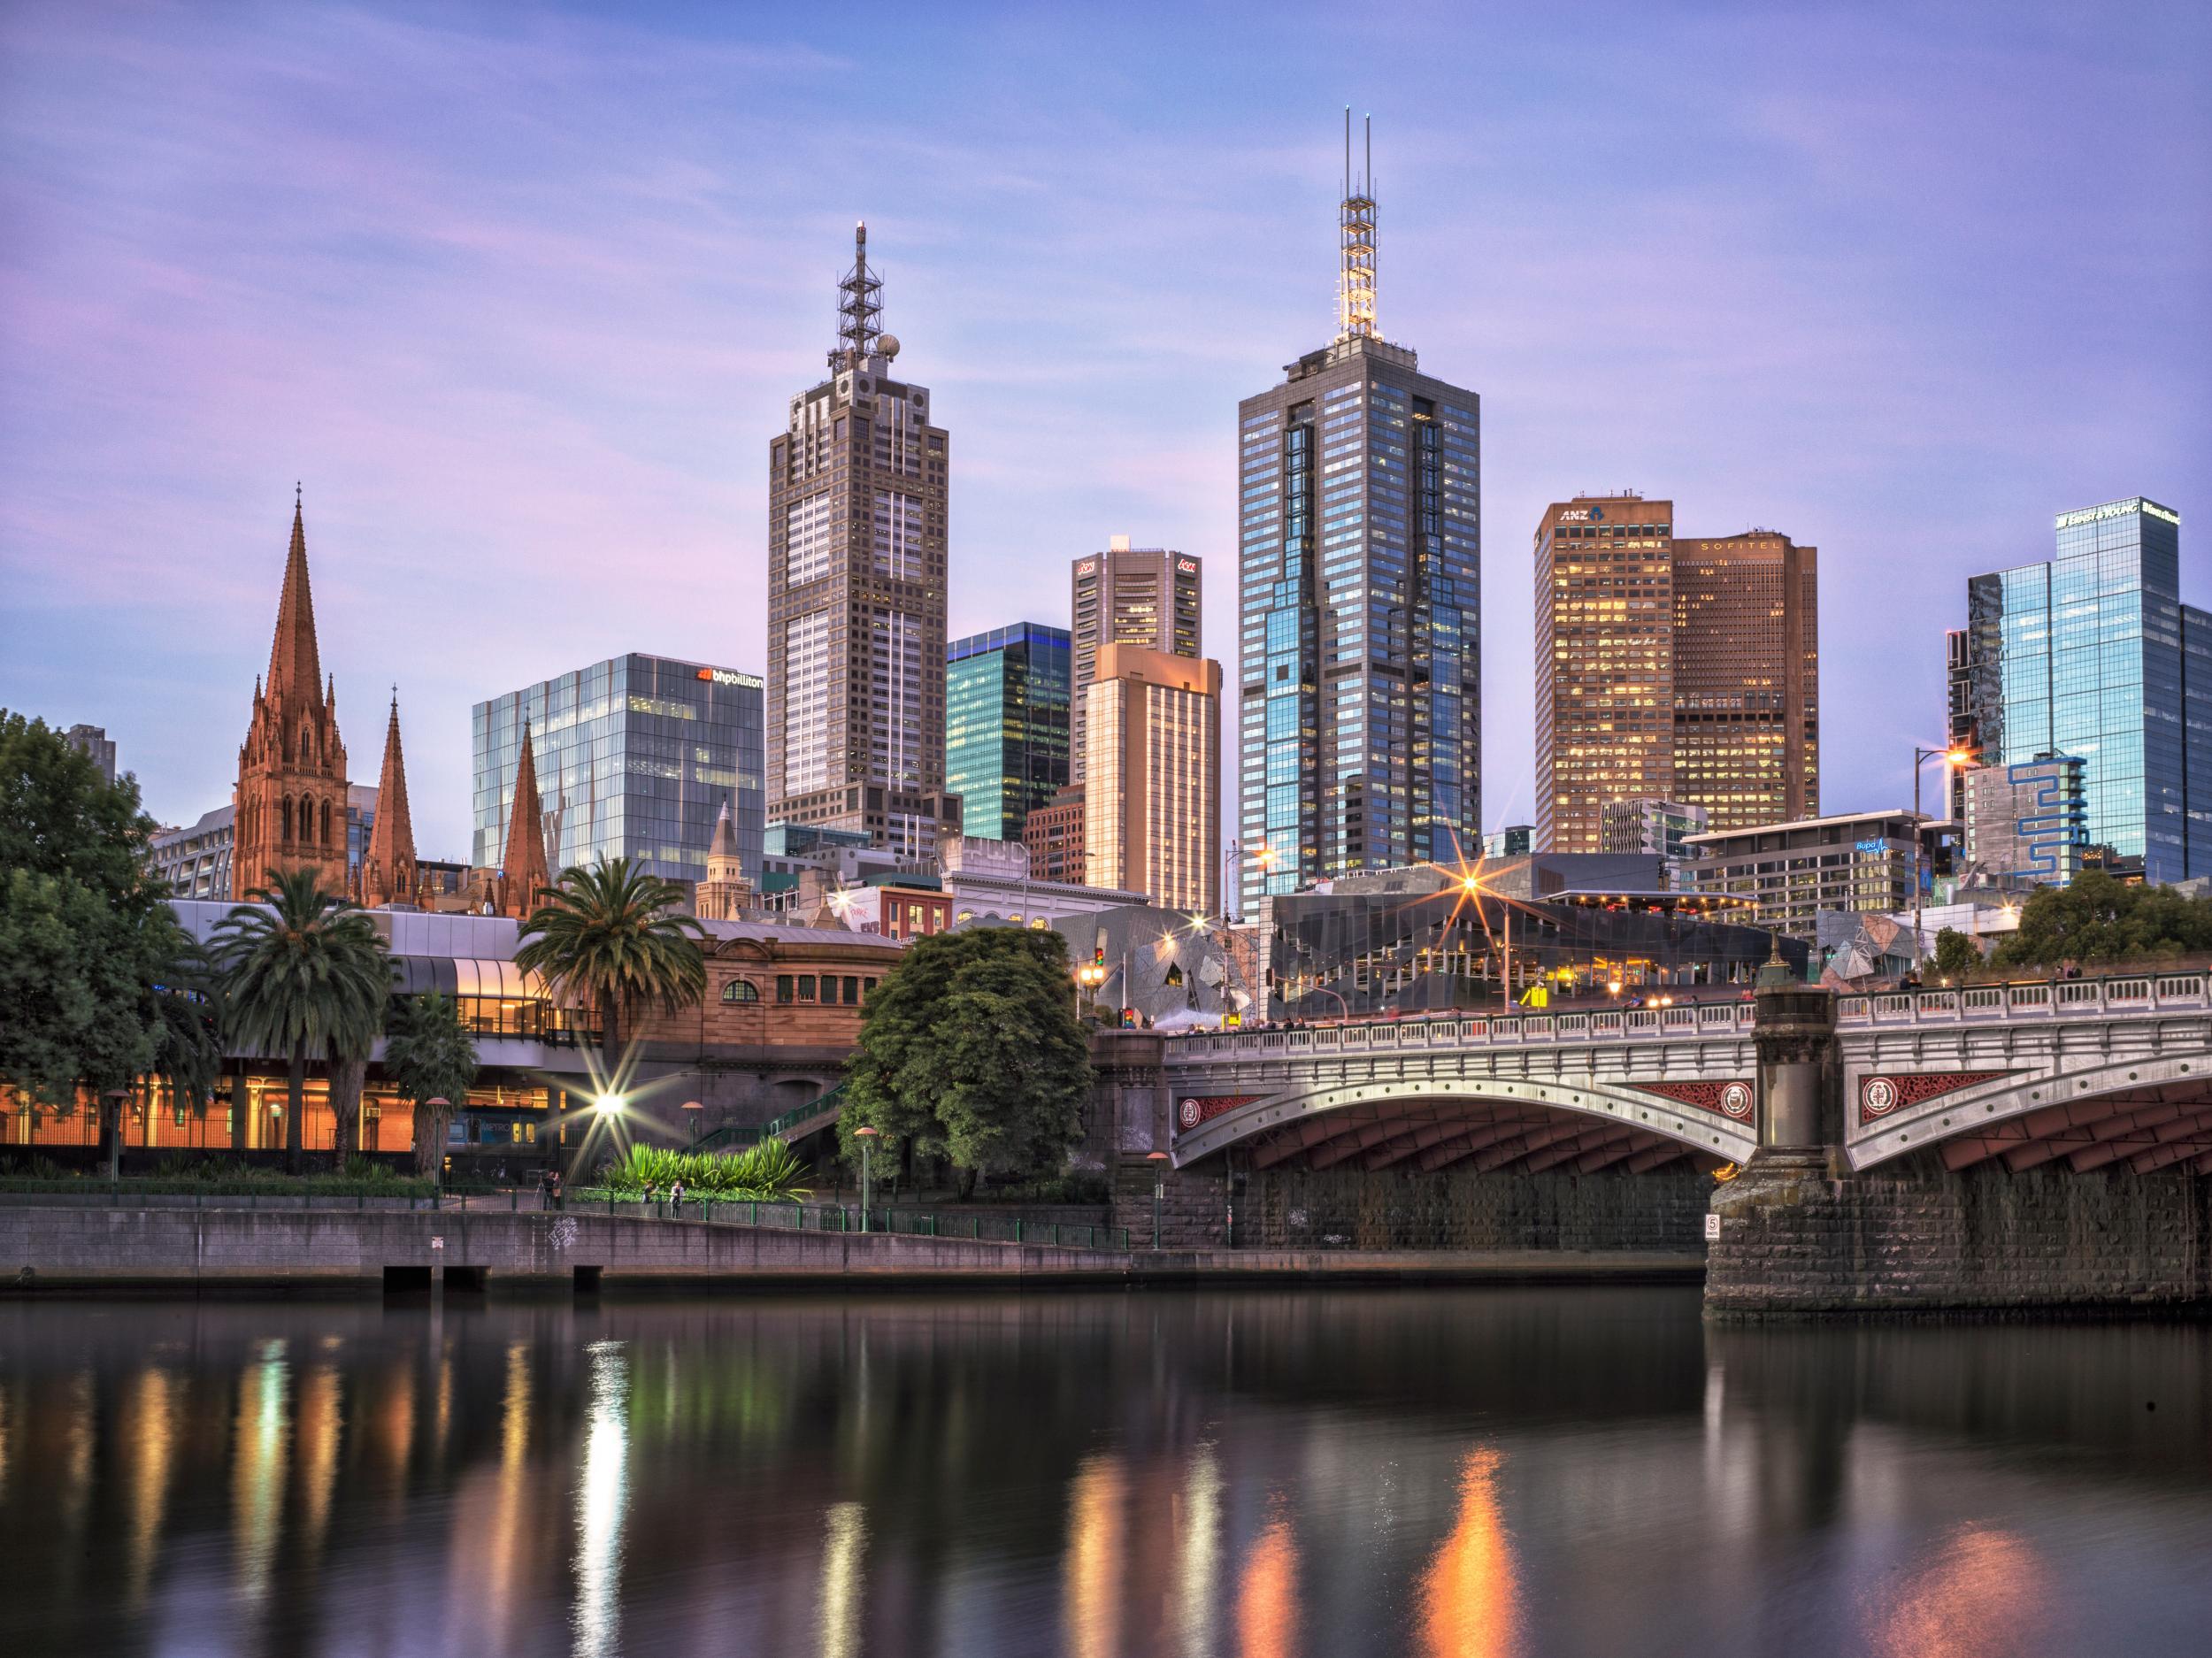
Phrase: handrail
pixel 776 1127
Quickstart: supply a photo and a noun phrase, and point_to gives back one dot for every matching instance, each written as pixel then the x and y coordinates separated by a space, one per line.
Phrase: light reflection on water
pixel 1468 1473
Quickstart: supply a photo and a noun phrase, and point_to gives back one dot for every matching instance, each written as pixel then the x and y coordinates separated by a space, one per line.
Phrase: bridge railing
pixel 1692 1021
pixel 2040 998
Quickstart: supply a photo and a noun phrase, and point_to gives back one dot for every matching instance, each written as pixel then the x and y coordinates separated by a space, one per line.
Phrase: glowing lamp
pixel 607 1104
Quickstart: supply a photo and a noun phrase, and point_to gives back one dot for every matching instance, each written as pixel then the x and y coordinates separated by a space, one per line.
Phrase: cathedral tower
pixel 289 805
pixel 388 875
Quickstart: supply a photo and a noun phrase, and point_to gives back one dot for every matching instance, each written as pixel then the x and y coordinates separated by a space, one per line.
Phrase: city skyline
pixel 425 327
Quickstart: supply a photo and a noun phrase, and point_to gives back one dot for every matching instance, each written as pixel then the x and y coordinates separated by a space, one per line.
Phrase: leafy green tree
pixel 2099 919
pixel 614 938
pixel 428 1055
pixel 971 1049
pixel 86 930
pixel 1955 953
pixel 306 977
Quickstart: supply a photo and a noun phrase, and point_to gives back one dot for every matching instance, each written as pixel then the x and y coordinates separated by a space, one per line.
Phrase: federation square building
pixel 1359 518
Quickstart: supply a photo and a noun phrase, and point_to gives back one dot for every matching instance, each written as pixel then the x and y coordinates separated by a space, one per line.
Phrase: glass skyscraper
pixel 1006 725
pixel 635 757
pixel 1359 520
pixel 2093 654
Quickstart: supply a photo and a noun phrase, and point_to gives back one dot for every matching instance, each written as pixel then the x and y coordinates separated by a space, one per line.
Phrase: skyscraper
pixel 1152 800
pixel 1672 667
pixel 94 744
pixel 1359 512
pixel 856 570
pixel 2093 654
pixel 1129 595
pixel 1006 725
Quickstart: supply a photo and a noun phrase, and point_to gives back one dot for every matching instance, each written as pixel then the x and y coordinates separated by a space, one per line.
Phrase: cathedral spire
pixel 295 665
pixel 387 870
pixel 523 873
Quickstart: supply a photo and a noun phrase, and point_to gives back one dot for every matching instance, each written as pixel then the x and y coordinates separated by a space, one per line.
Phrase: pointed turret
pixel 722 843
pixel 295 665
pixel 388 874
pixel 523 873
pixel 726 894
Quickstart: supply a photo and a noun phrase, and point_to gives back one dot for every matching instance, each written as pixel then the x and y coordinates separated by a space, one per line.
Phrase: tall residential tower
pixel 1359 513
pixel 856 564
pixel 1129 595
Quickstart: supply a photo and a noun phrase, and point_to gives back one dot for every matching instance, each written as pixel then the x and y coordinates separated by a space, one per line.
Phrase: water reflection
pixel 1463 1473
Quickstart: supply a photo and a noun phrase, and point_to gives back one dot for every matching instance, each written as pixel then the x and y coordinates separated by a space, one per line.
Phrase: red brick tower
pixel 522 872
pixel 290 802
pixel 387 869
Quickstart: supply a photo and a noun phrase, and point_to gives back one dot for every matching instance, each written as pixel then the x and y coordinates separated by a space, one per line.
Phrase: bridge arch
pixel 1491 1123
pixel 2144 1111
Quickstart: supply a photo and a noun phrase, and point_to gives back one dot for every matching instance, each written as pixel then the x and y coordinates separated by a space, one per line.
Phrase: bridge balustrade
pixel 1573 1027
pixel 1994 1003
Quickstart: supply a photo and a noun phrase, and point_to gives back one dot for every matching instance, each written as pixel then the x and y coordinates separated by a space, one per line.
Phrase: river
pixel 1480 1471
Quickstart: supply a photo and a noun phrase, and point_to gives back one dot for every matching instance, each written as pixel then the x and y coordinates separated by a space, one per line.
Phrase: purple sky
pixel 521 298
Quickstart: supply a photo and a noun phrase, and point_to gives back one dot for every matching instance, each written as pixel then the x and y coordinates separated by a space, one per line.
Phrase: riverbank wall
pixel 56 1250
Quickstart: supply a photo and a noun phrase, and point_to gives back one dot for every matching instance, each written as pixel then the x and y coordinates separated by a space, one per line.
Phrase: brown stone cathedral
pixel 290 802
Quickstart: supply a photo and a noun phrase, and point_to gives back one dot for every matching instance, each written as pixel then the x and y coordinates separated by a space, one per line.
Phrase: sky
pixel 519 295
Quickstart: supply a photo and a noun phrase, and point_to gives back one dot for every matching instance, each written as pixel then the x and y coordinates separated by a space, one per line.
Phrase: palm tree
pixel 429 1057
pixel 306 977
pixel 611 938
pixel 185 1013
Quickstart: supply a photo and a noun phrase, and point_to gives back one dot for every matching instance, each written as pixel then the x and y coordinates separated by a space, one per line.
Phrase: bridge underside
pixel 1426 1135
pixel 2142 1129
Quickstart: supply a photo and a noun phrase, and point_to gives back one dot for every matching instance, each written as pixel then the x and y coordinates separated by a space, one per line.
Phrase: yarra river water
pixel 1465 1471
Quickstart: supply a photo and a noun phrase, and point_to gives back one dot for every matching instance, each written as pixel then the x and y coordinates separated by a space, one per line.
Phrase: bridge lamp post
pixel 1952 758
pixel 1090 976
pixel 867 1135
pixel 1158 1160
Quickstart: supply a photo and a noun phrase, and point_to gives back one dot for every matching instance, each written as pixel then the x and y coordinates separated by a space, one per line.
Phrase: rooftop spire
pixel 859 306
pixel 1355 227
pixel 524 870
pixel 723 842
pixel 295 665
pixel 389 868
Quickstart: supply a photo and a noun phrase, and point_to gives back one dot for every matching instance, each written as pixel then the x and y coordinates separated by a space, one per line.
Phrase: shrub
pixel 767 1172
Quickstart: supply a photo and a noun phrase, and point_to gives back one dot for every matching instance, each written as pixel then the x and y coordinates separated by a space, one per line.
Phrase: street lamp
pixel 695 1122
pixel 867 1136
pixel 1090 976
pixel 1953 757
pixel 1158 1160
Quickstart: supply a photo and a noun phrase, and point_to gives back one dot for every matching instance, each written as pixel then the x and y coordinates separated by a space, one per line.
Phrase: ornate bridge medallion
pixel 1190 1112
pixel 1879 1096
pixel 1732 1100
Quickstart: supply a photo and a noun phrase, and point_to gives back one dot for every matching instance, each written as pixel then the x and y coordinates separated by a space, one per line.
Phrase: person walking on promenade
pixel 676 1199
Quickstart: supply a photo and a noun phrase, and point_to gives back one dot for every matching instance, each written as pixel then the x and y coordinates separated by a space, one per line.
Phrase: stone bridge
pixel 2027 1144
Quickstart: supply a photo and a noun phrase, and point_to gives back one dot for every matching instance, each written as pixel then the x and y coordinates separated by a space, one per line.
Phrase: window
pixel 867 984
pixel 852 991
pixel 741 990
pixel 806 986
pixel 783 989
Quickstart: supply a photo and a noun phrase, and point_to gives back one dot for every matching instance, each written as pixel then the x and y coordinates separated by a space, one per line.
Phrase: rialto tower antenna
pixel 859 306
pixel 1355 273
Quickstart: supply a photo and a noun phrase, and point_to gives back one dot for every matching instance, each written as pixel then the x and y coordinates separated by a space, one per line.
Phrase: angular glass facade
pixel 635 757
pixel 1360 655
pixel 2085 656
pixel 1006 725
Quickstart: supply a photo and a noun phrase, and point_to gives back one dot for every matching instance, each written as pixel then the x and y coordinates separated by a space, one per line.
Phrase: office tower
pixel 2092 653
pixel 856 594
pixel 1966 690
pixel 1672 667
pixel 1657 828
pixel 635 757
pixel 1152 800
pixel 1006 725
pixel 1359 511
pixel 290 801
pixel 1129 595
pixel 94 743
pixel 1054 838
pixel 2028 821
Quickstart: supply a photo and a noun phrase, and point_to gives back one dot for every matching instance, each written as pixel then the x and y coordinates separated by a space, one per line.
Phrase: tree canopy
pixel 971 1050
pixel 1955 953
pixel 429 1057
pixel 86 933
pixel 2099 919
pixel 613 937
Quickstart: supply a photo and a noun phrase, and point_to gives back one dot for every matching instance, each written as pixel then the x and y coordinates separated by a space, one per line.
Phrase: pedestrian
pixel 676 1199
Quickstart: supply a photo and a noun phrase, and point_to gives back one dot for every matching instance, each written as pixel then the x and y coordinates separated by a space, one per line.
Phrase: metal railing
pixel 2133 993
pixel 735 1137
pixel 1689 1019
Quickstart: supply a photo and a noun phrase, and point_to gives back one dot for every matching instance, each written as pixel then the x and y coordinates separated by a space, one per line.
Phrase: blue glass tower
pixel 1006 725
pixel 1360 530
pixel 2093 654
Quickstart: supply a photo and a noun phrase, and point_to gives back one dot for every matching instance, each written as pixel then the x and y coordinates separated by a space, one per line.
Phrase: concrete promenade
pixel 47 1249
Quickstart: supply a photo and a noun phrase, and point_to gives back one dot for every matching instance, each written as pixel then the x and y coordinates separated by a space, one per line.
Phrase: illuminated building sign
pixel 724 676
pixel 1089 567
pixel 1869 846
pixel 2116 510
pixel 1188 566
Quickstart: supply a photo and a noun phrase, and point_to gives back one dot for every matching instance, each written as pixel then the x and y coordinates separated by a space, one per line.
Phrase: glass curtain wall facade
pixel 1006 725
pixel 634 759
pixel 1361 611
pixel 2088 655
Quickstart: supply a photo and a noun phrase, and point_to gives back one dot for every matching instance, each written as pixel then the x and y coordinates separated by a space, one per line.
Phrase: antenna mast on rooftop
pixel 859 306
pixel 1355 273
